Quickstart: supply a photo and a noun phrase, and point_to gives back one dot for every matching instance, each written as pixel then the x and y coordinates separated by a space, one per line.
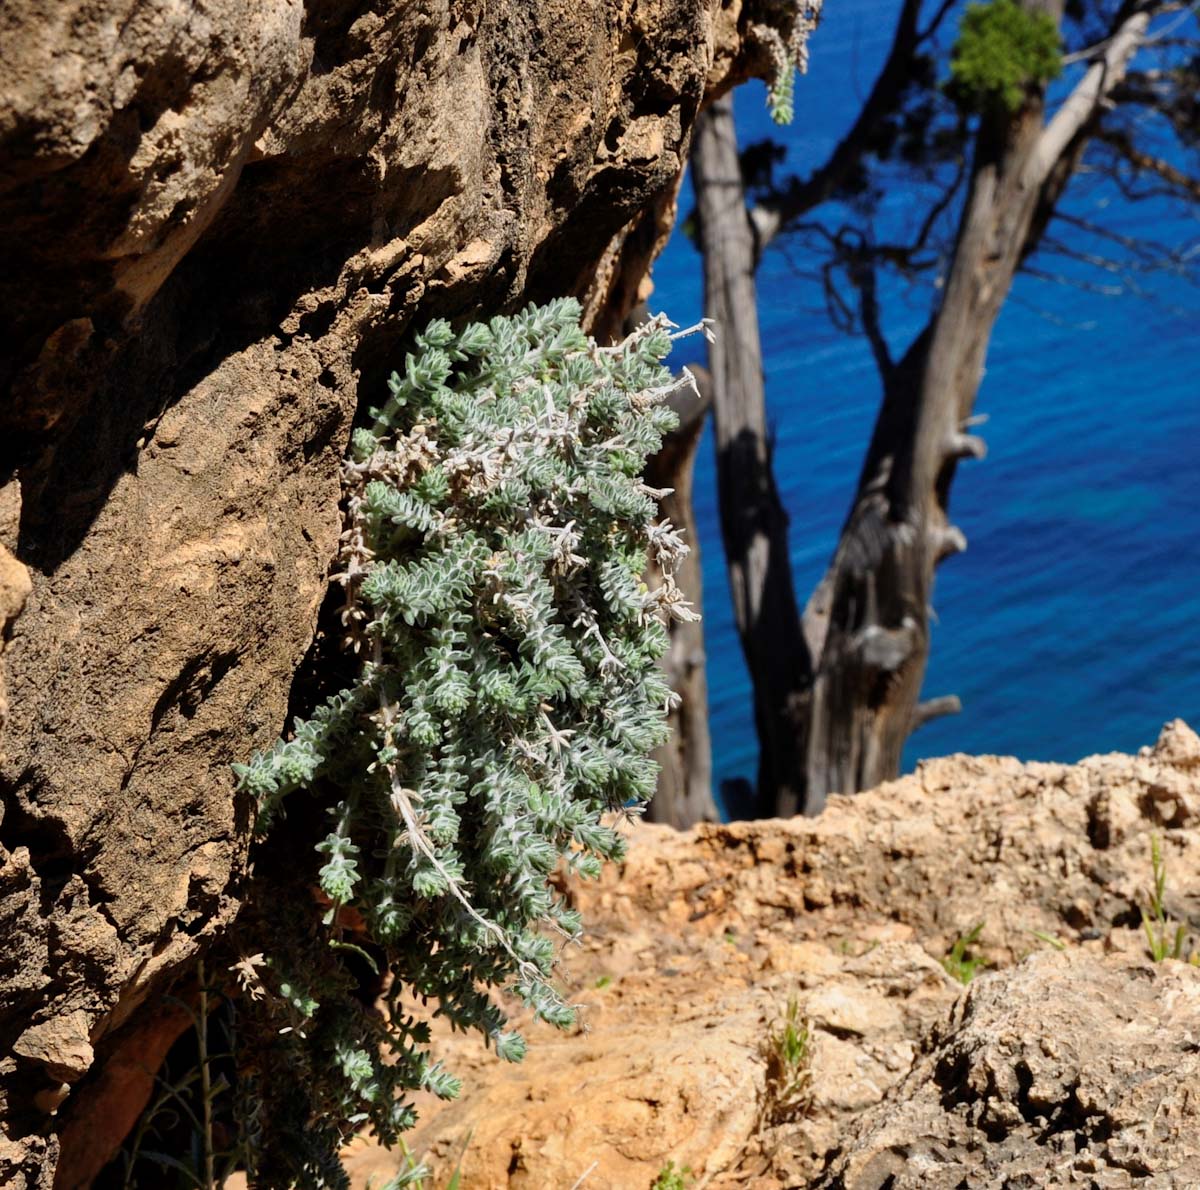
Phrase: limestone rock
pixel 60 1044
pixel 1072 1067
pixel 15 586
pixel 1068 1070
pixel 219 222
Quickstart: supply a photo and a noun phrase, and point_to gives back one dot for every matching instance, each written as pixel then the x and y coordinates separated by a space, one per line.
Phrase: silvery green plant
pixel 506 700
pixel 784 38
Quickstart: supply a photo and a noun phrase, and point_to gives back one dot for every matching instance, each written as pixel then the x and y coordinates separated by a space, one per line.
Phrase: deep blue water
pixel 1069 626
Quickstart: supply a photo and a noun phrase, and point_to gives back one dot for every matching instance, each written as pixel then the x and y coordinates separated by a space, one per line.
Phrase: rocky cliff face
pixel 219 221
pixel 1069 1059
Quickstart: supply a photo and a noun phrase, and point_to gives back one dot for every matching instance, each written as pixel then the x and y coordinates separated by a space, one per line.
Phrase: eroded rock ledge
pixel 219 221
pixel 1055 1067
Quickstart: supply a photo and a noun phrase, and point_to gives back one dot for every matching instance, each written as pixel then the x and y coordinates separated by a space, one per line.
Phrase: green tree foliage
pixel 1003 50
pixel 506 700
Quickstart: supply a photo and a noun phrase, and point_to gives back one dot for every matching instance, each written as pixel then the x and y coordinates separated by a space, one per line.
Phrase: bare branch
pixel 948 541
pixel 1074 283
pixel 939 207
pixel 935 708
pixel 1086 99
pixel 964 446
pixel 862 275
pixel 1104 263
pixel 1119 141
pixel 824 182
pixel 1149 250
pixel 938 17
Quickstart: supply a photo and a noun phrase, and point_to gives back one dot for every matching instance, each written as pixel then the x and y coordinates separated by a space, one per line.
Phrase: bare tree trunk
pixel 839 724
pixel 871 613
pixel 753 522
pixel 869 619
pixel 684 795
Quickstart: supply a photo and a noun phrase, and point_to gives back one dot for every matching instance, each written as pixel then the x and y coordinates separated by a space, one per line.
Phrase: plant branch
pixel 1121 144
pixel 935 708
pixel 1088 96
pixel 776 213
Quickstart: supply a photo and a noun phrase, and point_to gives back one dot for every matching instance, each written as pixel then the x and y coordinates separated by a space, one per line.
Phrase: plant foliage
pixel 963 962
pixel 783 38
pixel 1003 49
pixel 673 1177
pixel 1163 941
pixel 506 700
pixel 787 1050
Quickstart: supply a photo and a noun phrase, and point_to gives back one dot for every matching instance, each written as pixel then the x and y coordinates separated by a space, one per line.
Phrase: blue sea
pixel 1069 626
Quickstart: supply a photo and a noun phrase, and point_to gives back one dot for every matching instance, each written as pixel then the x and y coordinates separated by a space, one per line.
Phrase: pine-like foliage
pixel 1003 50
pixel 507 699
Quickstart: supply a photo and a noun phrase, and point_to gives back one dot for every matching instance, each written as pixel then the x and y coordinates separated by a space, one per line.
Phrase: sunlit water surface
pixel 1069 626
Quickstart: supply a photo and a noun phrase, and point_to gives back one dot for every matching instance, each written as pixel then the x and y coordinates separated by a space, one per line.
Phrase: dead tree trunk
pixel 684 795
pixel 753 522
pixel 869 620
pixel 839 722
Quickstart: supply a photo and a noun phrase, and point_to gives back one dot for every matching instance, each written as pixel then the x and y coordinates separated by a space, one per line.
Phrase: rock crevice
pixel 219 222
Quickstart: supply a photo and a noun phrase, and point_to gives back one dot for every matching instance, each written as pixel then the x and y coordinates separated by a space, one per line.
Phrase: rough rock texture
pixel 1068 1070
pixel 219 219
pixel 1054 1066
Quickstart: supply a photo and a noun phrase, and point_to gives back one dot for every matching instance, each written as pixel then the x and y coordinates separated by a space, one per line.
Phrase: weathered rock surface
pixel 1068 1070
pixel 1076 1067
pixel 218 221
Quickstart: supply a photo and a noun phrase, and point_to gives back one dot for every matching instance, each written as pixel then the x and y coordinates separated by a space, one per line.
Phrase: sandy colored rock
pixel 15 587
pixel 697 945
pixel 219 222
pixel 1068 1070
pixel 668 1065
pixel 60 1044
pixel 840 1008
